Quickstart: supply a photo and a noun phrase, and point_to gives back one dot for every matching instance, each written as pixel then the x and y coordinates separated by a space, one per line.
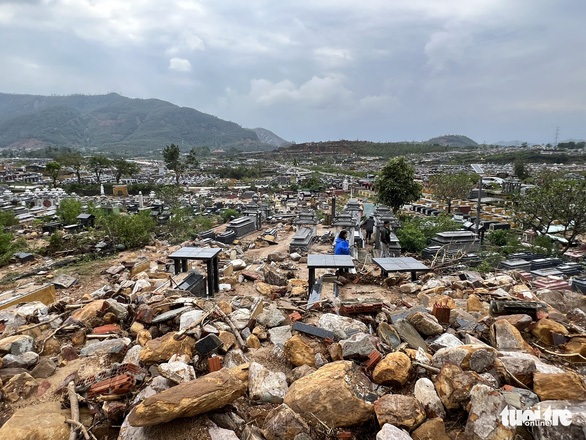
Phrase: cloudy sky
pixel 380 70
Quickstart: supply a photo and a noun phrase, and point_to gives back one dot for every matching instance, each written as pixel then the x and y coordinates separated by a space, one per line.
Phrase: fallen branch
pixel 427 367
pixel 82 428
pixel 180 333
pixel 228 321
pixel 74 403
pixel 39 324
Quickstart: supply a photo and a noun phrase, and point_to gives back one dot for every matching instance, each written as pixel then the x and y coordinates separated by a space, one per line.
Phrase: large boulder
pixel 544 328
pixel 161 349
pixel 210 392
pixel 339 394
pixel 39 422
pixel 394 369
pixel 399 410
pixel 424 391
pixel 265 385
pixel 478 358
pixel 507 337
pixel 484 415
pixel 453 386
pixel 562 386
pixel 340 325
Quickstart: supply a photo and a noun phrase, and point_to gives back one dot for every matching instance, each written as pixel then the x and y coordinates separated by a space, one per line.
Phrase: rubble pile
pixel 453 357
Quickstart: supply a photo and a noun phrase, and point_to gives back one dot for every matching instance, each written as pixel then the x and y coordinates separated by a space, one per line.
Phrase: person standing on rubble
pixel 342 245
pixel 385 239
pixel 368 226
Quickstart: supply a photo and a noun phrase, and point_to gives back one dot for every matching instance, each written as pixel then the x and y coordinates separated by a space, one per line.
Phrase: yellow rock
pixel 394 369
pixel 253 342
pixel 545 327
pixel 473 304
pixel 298 352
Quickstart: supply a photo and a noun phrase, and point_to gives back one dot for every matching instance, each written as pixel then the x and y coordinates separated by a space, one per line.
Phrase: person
pixel 342 245
pixel 368 226
pixel 385 239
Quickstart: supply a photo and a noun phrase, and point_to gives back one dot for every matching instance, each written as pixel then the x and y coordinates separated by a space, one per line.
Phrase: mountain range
pixel 116 123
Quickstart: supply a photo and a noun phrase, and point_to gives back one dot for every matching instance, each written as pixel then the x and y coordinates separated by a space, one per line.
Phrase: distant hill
pixel 115 123
pixel 453 140
pixel 363 148
pixel 270 138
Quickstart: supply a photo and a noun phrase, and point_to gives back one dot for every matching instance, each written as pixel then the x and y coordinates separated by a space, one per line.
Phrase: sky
pixel 318 70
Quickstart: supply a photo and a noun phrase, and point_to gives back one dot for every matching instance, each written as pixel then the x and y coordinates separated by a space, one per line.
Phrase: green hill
pixel 115 123
pixel 453 140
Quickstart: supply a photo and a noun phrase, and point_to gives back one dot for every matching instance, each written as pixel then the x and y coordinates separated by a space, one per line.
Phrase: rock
pixel 564 301
pixel 519 321
pixel 210 392
pixel 433 429
pixel 44 368
pixel 238 264
pixel 282 423
pixel 522 369
pixel 409 335
pixel 390 432
pixel 158 384
pixel 253 342
pixel 143 337
pixel 349 399
pixel 545 327
pixel 444 341
pixel 271 317
pixel 109 346
pixel 563 386
pixel 295 256
pixel 118 309
pixel 280 335
pixel 90 314
pixel 520 398
pixel 263 288
pixel 217 433
pixel 234 358
pixel 388 335
pixel 478 358
pixel 16 345
pixel 21 386
pixel 399 410
pixel 484 415
pixel 425 393
pixel 189 318
pixel 341 325
pixel 453 386
pixel 300 372
pixel 266 386
pixel 276 256
pixel 177 372
pixel 358 346
pixel 133 355
pixel 507 337
pixel 394 369
pixel 45 421
pixel 540 367
pixel 161 349
pixel 546 431
pixel 473 304
pixel 228 339
pixel 298 352
pixel 425 323
pixel 25 360
pixel 275 278
pixel 408 288
pixel 240 318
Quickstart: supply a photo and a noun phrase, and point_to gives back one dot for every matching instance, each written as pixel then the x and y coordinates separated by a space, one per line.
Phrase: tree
pixel 75 161
pixel 191 161
pixel 395 184
pixel 68 210
pixel 448 187
pixel 53 168
pixel 124 168
pixel 520 170
pixel 98 164
pixel 173 161
pixel 555 199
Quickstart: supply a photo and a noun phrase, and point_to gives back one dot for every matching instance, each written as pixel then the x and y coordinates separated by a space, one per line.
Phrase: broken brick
pixel 441 312
pixel 214 364
pixel 295 316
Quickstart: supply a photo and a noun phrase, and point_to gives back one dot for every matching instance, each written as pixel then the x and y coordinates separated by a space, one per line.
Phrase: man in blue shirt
pixel 342 245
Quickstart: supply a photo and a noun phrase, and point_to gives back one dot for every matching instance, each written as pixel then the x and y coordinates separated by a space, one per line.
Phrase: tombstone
pixel 120 190
pixel 86 220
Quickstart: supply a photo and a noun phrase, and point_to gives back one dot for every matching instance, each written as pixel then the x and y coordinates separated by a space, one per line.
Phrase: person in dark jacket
pixel 342 245
pixel 385 239
pixel 368 226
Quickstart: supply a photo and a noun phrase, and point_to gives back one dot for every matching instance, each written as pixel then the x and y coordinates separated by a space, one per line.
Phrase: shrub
pixel 130 230
pixel 183 226
pixel 68 210
pixel 228 214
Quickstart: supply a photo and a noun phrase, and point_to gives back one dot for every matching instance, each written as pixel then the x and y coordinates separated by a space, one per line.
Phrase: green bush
pixel 130 230
pixel 7 218
pixel 68 210
pixel 9 246
pixel 183 226
pixel 411 237
pixel 227 215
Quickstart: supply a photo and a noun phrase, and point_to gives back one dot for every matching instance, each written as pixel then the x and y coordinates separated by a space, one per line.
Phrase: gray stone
pixel 484 415
pixel 271 317
pixel 177 372
pixel 217 433
pixel 158 384
pixel 425 392
pixel 275 278
pixel 295 256
pixel 266 386
pixel 358 346
pixel 425 323
pixel 189 318
pixel 540 367
pixel 234 358
pixel 228 420
pixel 280 335
pixel 132 355
pixel 24 360
pixel 240 318
pixel 45 368
pixel 110 346
pixel 462 320
pixel 341 325
pixel 282 423
pixel 171 314
pixel 388 335
pixel 16 344
pixel 563 301
pixel 118 309
pixel 409 335
pixel 520 398
pixel 390 432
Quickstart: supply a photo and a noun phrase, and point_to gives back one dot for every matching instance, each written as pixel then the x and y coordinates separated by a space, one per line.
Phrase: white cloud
pixel 179 65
